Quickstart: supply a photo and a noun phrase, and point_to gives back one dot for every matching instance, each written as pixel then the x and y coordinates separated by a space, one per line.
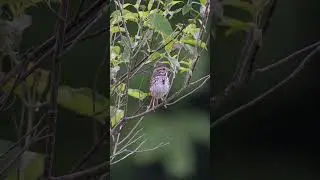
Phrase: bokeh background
pixel 277 138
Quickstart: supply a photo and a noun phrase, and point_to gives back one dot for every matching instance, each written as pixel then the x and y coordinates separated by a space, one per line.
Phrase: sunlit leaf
pixel 203 2
pixel 183 70
pixel 194 42
pixel 126 16
pixel 127 5
pixel 150 4
pixel 138 94
pixel 116 29
pixel 191 29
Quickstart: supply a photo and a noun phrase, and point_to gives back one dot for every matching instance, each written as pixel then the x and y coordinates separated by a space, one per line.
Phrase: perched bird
pixel 159 84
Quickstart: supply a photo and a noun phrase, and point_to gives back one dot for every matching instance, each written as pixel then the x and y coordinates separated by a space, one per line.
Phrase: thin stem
pixel 286 59
pixel 55 79
pixel 259 98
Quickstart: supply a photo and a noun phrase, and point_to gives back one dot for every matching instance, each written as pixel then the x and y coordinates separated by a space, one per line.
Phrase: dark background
pixel 278 138
pixel 275 139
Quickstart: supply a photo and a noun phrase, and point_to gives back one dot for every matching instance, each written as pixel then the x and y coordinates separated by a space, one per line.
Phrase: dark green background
pixel 276 139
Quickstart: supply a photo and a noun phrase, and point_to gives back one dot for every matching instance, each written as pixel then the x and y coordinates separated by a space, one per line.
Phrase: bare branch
pixel 246 63
pixel 259 98
pixel 55 80
pixel 176 94
pixel 286 59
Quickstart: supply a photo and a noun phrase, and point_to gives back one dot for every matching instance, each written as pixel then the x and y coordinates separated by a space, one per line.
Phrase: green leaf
pixel 116 29
pixel 138 94
pixel 235 25
pixel 160 24
pixel 137 5
pixel 127 5
pixel 80 101
pixel 194 42
pixel 203 2
pixel 127 16
pixel 155 56
pixel 32 164
pixel 172 3
pixel 180 130
pixel 119 89
pixel 186 8
pixel 191 29
pixel 150 4
pixel 116 115
pixel 183 70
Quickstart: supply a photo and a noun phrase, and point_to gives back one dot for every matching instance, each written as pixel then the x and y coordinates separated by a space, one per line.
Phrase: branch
pixel 39 54
pixel 125 119
pixel 138 65
pixel 17 156
pixel 90 152
pixel 245 67
pixel 284 60
pixel 22 138
pixel 55 80
pixel 259 98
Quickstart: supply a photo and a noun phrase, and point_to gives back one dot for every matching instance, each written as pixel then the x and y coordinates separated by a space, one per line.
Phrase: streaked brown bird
pixel 159 85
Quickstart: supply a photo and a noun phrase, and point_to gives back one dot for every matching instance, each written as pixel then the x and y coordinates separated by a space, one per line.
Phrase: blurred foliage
pixel 181 129
pixel 30 164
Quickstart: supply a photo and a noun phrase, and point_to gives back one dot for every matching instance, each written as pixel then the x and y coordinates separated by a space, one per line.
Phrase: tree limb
pixel 259 98
pixel 55 80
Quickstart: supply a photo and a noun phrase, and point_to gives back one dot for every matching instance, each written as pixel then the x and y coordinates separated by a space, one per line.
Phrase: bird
pixel 159 84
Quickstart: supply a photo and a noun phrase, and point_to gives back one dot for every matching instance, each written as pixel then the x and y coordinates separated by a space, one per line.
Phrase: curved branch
pixel 259 98
pixel 246 63
pixel 286 59
pixel 39 54
pixel 125 119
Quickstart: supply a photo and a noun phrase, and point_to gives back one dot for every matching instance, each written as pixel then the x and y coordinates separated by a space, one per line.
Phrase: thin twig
pixel 90 152
pixel 245 67
pixel 55 80
pixel 125 119
pixel 259 98
pixel 129 153
pixel 40 53
pixel 286 59
pixel 22 138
